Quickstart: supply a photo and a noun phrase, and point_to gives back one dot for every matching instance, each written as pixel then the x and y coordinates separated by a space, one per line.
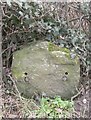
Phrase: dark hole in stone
pixel 22 94
pixel 66 73
pixel 26 73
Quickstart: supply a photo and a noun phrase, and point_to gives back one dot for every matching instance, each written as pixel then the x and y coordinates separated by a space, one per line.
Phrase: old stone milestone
pixel 42 67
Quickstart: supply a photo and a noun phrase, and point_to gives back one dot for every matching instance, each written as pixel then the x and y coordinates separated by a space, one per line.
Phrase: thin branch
pixel 13 80
pixel 74 19
pixel 1 102
pixel 75 96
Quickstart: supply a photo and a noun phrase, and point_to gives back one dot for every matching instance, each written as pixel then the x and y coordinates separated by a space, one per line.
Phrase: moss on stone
pixel 53 47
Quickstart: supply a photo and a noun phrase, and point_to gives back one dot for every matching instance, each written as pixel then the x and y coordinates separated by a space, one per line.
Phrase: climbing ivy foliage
pixel 28 22
pixel 32 21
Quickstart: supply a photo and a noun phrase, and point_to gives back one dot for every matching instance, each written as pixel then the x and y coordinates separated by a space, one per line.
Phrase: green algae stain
pixel 53 47
pixel 17 74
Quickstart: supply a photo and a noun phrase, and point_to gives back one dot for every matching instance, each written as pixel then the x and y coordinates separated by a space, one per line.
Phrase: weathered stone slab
pixel 45 70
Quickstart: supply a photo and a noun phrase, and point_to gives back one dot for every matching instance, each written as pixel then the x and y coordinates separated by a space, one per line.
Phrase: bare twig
pixel 1 101
pixel 75 96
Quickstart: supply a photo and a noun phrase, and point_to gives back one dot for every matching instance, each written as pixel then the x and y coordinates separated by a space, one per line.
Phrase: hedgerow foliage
pixel 26 22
